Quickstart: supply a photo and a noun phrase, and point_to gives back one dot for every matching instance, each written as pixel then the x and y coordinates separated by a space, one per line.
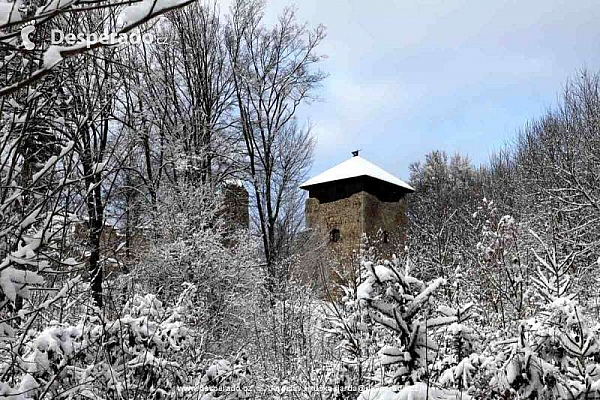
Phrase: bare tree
pixel 273 73
pixel 187 98
pixel 556 163
pixel 441 231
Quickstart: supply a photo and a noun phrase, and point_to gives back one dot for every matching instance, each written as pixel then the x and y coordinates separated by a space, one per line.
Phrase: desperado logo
pixel 58 37
pixel 26 31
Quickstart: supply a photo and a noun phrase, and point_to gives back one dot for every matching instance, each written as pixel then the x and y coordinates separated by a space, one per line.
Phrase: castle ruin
pixel 354 198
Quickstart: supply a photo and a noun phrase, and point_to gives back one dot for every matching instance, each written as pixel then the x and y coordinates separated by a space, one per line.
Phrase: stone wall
pixel 342 214
pixel 385 224
pixel 236 199
pixel 358 213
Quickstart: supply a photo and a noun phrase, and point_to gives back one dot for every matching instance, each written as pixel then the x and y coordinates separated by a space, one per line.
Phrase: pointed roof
pixel 353 168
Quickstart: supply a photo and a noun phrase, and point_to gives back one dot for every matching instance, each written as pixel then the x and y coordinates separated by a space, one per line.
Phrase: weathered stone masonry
pixel 359 213
pixel 353 198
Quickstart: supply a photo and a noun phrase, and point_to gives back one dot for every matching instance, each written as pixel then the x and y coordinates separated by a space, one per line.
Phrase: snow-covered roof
pixel 352 168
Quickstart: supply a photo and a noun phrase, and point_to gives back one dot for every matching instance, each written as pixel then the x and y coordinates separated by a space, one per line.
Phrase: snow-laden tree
pixel 549 176
pixel 555 353
pixel 275 70
pixel 401 304
pixel 459 360
pixel 180 100
pixel 139 352
pixel 189 238
pixel 440 230
pixel 353 335
pixel 502 266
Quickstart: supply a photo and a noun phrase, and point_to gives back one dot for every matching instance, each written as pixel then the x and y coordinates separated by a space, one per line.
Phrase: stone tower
pixel 357 197
pixel 236 200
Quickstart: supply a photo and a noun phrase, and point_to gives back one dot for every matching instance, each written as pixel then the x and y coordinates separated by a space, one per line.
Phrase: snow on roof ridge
pixel 354 167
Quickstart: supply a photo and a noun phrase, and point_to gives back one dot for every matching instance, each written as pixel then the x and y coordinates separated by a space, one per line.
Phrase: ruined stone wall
pixel 385 219
pixel 342 214
pixel 361 212
pixel 236 199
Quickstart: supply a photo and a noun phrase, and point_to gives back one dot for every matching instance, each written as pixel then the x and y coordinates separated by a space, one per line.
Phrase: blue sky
pixel 408 77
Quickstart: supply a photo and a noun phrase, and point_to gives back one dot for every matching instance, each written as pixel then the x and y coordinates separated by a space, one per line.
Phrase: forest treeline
pixel 546 179
pixel 123 275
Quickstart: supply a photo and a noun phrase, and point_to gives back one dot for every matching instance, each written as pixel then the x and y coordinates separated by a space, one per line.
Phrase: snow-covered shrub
pixel 461 363
pixel 418 391
pixel 555 354
pixel 142 351
pixel 353 336
pixel 225 380
pixel 286 346
pixel 355 340
pixel 189 241
pixel 501 277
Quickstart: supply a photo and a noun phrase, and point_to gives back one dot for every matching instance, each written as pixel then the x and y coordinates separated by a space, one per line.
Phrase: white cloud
pixel 407 77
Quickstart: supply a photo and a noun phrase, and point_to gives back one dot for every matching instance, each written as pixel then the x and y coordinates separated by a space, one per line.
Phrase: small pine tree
pixel 399 302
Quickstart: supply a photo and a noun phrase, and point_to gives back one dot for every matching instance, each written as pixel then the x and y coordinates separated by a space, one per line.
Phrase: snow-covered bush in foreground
pixel 139 353
pixel 353 336
pixel 418 391
pixel 556 353
pixel 398 302
pixel 226 380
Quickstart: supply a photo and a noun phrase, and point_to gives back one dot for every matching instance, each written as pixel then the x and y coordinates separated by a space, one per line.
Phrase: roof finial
pixel 355 153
